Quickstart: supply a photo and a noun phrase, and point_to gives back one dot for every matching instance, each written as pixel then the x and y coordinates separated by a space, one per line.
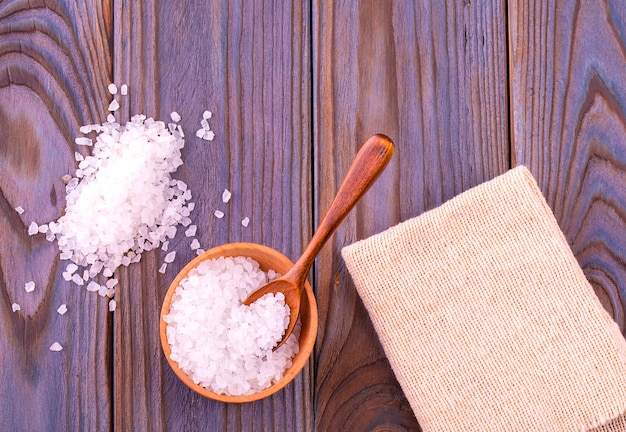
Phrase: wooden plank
pixel 250 65
pixel 55 63
pixel 568 93
pixel 432 76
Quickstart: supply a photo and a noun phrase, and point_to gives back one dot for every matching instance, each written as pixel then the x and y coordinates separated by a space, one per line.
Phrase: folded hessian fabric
pixel 487 319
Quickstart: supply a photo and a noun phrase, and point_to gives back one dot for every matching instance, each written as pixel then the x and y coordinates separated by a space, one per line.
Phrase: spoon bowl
pixel 268 259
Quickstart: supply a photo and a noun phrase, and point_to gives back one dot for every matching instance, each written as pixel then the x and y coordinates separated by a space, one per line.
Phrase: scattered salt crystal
pixel 170 257
pixel 191 231
pixel 111 118
pixel 15 307
pixel 71 268
pixel 112 305
pixel 245 221
pixel 207 115
pixel 111 283
pixel 67 276
pixel 84 141
pixel 19 209
pixel 200 133
pixel 195 244
pixel 175 116
pixel 29 286
pixel 199 251
pixel 162 268
pixel 110 293
pixel 93 286
pixel 85 129
pixel 33 228
pixel 165 246
pixel 112 88
pixel 62 309
pixel 208 136
pixel 107 272
pixel 191 206
pixel 124 89
pixel 56 347
pixel 114 105
pixel 43 228
pixel 77 279
pixel 219 214
pixel 205 125
pixel 226 196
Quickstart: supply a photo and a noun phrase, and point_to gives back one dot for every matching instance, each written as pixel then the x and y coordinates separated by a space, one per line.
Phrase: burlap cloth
pixel 488 320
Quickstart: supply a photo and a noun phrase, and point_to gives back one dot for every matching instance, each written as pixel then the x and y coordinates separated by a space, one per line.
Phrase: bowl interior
pixel 268 259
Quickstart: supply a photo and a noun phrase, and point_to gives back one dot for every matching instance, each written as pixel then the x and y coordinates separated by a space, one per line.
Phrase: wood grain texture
pixel 431 76
pixel 55 62
pixel 248 63
pixel 568 93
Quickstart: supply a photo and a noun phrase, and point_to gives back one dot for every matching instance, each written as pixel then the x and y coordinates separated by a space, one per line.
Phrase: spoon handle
pixel 368 164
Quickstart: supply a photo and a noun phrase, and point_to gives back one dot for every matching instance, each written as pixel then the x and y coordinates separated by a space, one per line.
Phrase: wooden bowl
pixel 268 259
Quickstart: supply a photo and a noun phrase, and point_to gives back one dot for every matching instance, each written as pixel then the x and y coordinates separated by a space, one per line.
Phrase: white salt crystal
pixel 111 118
pixel 170 257
pixel 83 141
pixel 111 283
pixel 205 125
pixel 19 209
pixel 93 286
pixel 78 157
pixel 191 231
pixel 112 89
pixel 162 268
pixel 107 272
pixel 56 347
pixel 15 307
pixel 200 133
pixel 124 89
pixel 67 276
pixel 195 244
pixel 62 309
pixel 29 286
pixel 77 279
pixel 112 305
pixel 175 116
pixel 33 228
pixel 114 105
pixel 219 214
pixel 71 268
pixel 226 196
pixel 165 245
pixel 43 228
pixel 199 251
pixel 191 206
pixel 208 136
pixel 85 129
pixel 245 221
pixel 103 290
pixel 207 115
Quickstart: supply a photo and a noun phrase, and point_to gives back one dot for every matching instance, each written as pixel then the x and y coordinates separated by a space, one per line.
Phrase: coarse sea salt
pixel 124 202
pixel 221 344
pixel 16 307
pixel 29 286
pixel 62 309
pixel 56 347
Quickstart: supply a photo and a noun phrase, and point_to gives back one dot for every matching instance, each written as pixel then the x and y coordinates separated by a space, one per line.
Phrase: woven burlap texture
pixel 487 319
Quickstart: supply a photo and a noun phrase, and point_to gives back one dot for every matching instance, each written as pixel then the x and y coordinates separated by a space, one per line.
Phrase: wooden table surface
pixel 466 89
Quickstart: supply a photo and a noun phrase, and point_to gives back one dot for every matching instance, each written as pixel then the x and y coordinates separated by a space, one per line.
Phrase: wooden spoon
pixel 365 169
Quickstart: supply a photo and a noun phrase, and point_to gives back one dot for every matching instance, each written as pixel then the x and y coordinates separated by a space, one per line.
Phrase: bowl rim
pixel 299 360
